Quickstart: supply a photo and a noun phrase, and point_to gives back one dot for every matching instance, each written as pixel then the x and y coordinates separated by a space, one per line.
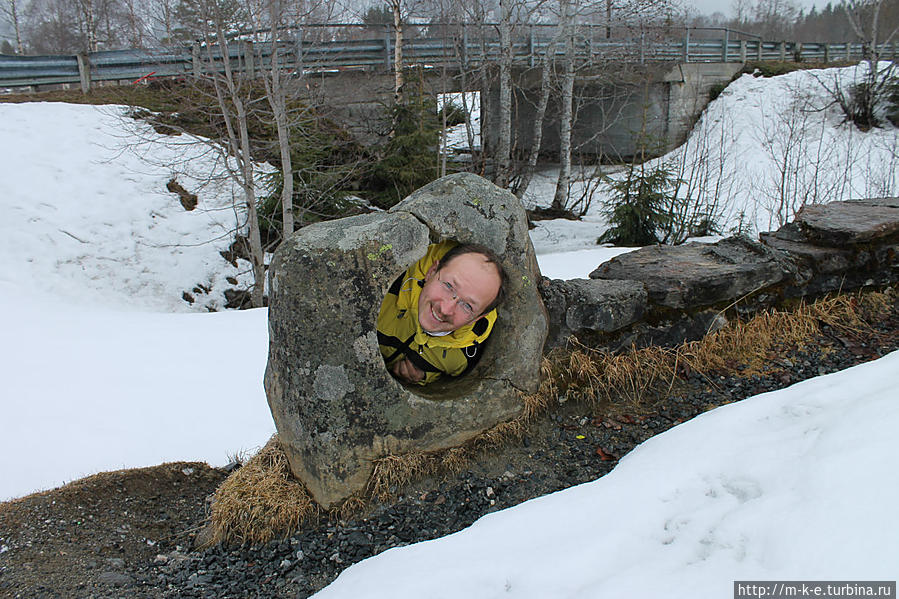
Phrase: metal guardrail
pixel 457 50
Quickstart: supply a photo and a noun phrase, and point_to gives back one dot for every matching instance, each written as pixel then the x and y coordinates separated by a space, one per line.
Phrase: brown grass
pixel 261 500
pixel 642 376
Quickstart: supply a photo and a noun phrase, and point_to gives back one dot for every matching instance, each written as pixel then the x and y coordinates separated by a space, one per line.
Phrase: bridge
pixel 327 47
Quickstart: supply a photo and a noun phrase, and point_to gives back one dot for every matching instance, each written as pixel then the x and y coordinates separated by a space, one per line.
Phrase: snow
pixel 88 218
pixel 86 391
pixel 105 366
pixel 766 146
pixel 797 484
pixel 102 368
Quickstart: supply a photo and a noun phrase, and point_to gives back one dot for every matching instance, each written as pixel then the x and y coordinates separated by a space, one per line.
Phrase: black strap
pixel 480 327
pixel 395 286
pixel 404 348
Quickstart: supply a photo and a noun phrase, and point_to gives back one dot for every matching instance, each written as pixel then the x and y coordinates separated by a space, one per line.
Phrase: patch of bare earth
pixel 80 540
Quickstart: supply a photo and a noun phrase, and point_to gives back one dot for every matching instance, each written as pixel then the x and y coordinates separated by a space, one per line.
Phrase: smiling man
pixel 437 315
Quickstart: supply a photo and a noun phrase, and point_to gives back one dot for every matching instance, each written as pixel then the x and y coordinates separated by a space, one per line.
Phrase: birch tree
pixel 566 17
pixel 209 19
pixel 276 93
pixel 503 155
pixel 396 8
pixel 521 186
pixel 11 10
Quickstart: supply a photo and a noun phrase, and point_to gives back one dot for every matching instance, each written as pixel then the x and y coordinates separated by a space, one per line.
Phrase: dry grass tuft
pixel 394 471
pixel 351 507
pixel 260 501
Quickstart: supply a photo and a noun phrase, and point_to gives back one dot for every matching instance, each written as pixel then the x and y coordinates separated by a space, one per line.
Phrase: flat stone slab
pixel 598 306
pixel 825 260
pixel 695 274
pixel 334 404
pixel 854 222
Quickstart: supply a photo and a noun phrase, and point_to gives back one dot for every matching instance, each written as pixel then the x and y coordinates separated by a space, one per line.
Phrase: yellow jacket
pixel 400 334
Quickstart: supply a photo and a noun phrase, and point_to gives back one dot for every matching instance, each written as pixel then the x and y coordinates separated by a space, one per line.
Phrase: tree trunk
pixel 14 16
pixel 504 143
pixel 397 52
pixel 537 138
pixel 560 198
pixel 239 143
pixel 278 101
pixel 257 256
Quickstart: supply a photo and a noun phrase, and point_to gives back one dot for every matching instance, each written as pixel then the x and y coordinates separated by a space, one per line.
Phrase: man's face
pixel 457 294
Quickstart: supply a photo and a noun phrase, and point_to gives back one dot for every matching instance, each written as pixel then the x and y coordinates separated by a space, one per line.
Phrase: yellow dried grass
pixel 641 376
pixel 260 501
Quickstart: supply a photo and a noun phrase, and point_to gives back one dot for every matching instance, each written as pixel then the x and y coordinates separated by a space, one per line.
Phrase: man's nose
pixel 448 306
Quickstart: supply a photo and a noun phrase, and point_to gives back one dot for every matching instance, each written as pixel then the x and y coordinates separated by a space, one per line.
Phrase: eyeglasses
pixel 466 308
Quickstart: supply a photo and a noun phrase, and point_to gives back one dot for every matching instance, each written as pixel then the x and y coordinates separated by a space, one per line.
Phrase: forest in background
pixel 775 20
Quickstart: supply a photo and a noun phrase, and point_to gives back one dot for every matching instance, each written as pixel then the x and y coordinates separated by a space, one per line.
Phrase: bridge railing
pixel 336 47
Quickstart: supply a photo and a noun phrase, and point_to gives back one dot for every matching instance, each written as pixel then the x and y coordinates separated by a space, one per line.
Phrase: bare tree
pixel 503 156
pixel 160 19
pixel 277 93
pixel 570 13
pixel 209 19
pixel 70 26
pixel 521 186
pixel 396 7
pixel 866 97
pixel 563 183
pixel 11 10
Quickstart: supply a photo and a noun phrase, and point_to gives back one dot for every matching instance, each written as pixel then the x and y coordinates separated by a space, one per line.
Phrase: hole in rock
pixel 437 317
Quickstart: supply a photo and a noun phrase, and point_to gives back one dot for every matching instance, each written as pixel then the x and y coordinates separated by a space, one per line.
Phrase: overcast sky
pixel 702 6
pixel 710 6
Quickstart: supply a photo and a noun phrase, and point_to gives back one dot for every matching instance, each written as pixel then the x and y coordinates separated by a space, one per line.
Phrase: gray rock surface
pixel 839 224
pixel 695 274
pixel 677 329
pixel 832 247
pixel 840 246
pixel 820 259
pixel 335 406
pixel 594 306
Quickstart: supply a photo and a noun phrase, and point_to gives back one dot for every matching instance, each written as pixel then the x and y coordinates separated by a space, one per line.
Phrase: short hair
pixel 490 257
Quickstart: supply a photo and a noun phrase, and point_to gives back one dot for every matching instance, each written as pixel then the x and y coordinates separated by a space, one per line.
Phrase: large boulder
pixel 840 245
pixel 335 406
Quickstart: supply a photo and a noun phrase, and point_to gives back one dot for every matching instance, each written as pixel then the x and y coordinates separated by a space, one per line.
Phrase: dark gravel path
pixel 567 446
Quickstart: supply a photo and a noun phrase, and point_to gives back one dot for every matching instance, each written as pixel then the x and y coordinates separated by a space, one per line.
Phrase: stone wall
pixel 665 295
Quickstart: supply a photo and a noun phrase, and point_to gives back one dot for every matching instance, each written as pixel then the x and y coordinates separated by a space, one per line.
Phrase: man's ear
pixel 432 270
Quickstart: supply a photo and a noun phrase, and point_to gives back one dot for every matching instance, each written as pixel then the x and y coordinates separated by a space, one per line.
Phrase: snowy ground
pixel 797 484
pixel 98 372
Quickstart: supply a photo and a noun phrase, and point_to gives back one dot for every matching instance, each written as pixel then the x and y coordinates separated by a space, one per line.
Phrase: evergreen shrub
pixel 637 207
